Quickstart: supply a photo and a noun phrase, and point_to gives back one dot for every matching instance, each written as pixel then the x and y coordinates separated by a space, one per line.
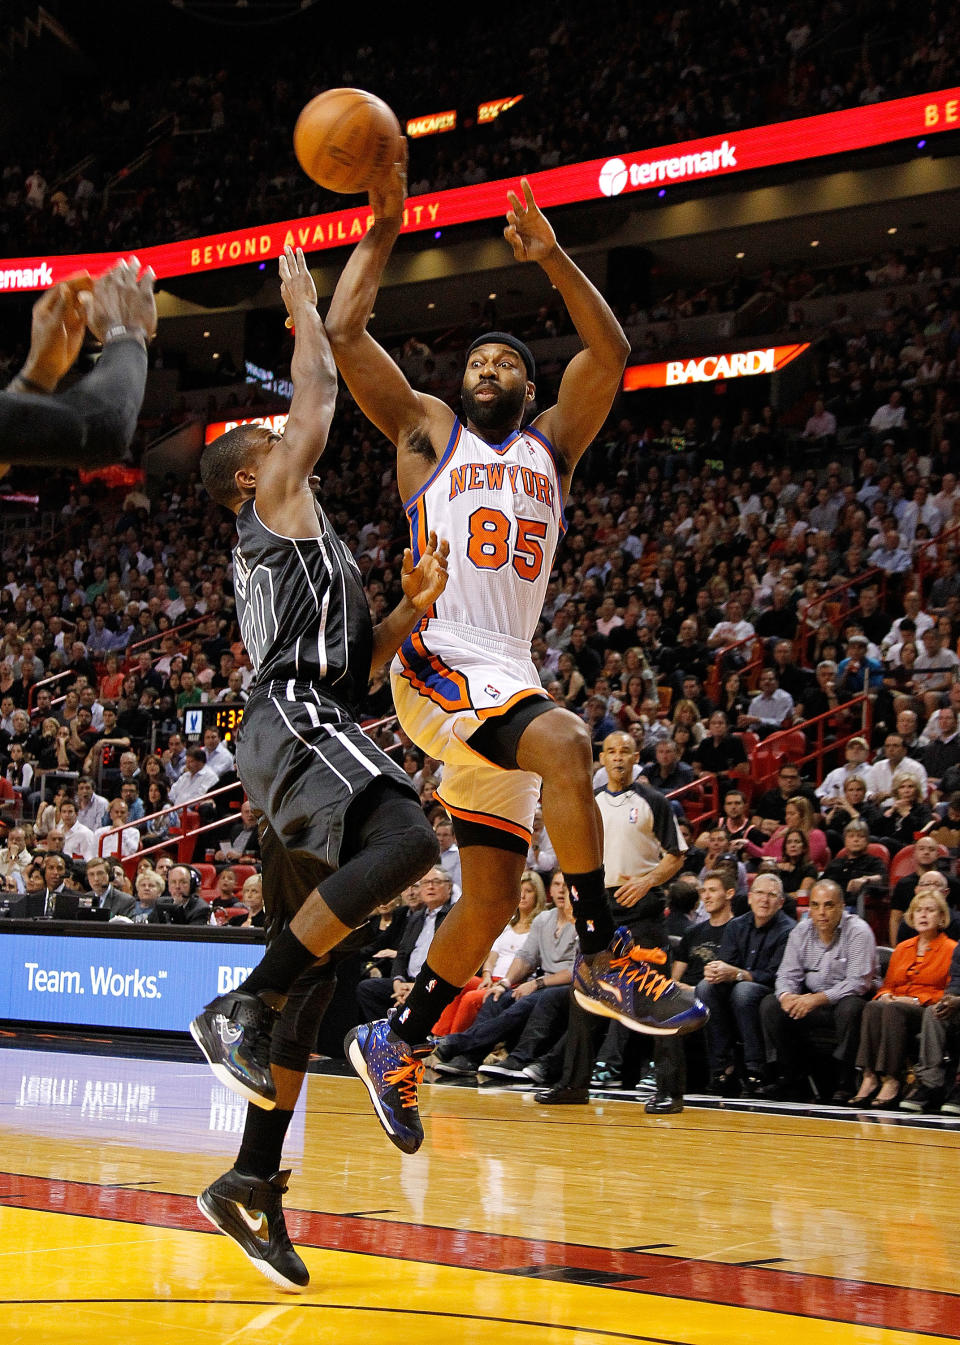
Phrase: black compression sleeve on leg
pixel 295 1033
pixel 87 426
pixel 286 958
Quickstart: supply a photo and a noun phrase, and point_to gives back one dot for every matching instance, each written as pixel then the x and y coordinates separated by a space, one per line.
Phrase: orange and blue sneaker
pixel 618 983
pixel 391 1069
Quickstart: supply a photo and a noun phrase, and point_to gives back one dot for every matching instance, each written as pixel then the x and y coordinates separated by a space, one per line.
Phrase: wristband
pixel 121 331
pixel 28 385
pixel 505 983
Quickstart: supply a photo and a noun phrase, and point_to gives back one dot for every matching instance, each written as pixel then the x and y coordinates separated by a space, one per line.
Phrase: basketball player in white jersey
pixel 463 683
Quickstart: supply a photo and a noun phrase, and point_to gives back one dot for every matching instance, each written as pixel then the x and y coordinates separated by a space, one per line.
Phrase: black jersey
pixel 302 609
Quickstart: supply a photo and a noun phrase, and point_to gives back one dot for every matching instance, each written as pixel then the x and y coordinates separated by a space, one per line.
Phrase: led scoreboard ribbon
pixel 714 156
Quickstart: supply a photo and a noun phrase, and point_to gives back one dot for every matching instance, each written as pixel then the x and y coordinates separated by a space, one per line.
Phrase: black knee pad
pixel 391 845
pixel 295 1033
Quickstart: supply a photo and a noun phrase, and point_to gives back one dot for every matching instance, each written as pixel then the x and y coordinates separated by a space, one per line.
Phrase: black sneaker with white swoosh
pixel 250 1210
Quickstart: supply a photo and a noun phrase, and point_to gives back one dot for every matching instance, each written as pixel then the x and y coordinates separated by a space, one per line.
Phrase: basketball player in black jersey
pixel 342 827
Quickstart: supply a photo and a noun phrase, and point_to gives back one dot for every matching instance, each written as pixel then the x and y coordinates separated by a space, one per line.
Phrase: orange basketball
pixel 345 139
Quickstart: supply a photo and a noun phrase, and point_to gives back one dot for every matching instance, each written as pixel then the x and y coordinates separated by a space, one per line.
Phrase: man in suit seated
pixel 244 839
pixel 184 906
pixel 378 994
pixel 106 896
pixel 55 902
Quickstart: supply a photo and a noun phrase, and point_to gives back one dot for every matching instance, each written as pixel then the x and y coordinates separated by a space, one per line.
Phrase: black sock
pixel 425 1003
pixel 280 966
pixel 261 1149
pixel 591 911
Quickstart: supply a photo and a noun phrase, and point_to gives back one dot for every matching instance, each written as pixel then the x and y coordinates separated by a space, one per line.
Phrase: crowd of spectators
pixel 724 576
pixel 212 147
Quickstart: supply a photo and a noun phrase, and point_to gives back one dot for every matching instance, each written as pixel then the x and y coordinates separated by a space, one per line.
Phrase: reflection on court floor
pixel 576 1224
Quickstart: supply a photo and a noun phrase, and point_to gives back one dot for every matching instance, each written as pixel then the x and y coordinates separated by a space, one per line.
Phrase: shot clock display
pixel 225 718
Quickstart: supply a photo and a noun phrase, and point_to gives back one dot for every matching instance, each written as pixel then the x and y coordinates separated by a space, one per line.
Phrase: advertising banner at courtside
pixel 151 984
pixel 713 156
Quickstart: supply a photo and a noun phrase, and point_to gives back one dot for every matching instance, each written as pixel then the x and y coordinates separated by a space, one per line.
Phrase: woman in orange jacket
pixel 917 976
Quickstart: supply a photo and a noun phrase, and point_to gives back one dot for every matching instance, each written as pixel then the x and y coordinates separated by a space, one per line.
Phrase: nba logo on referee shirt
pixel 633 815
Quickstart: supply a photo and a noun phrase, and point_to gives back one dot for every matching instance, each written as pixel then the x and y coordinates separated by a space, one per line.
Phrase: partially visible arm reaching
pixel 93 422
pixel 285 497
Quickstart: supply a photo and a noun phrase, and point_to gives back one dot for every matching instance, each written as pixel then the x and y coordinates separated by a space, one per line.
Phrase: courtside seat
pixel 208 877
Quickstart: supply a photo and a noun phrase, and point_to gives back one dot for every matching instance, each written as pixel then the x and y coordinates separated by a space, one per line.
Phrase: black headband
pixel 514 342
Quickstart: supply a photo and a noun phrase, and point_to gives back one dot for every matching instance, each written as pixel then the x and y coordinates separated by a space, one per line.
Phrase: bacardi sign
pixel 490 111
pixel 432 124
pixel 832 133
pixel 218 427
pixel 711 368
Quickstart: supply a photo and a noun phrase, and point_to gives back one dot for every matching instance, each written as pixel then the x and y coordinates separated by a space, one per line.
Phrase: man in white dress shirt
pixel 197 779
pixel 219 757
pixel 767 711
pixel 894 761
pixel 91 806
pixel 831 790
pixel 78 841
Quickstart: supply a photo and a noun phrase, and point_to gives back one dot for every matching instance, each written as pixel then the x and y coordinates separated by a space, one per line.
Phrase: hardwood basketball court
pixel 515 1222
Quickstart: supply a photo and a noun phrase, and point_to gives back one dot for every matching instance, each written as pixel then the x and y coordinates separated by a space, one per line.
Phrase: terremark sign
pixel 690 161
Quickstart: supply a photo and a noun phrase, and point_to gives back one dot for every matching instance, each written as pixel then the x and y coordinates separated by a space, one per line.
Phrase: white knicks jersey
pixel 500 507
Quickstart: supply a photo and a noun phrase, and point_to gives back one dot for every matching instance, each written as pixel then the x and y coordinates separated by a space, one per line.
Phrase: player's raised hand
pixel 123 297
pixel 424 582
pixel 528 231
pixel 388 195
pixel 297 289
pixel 56 331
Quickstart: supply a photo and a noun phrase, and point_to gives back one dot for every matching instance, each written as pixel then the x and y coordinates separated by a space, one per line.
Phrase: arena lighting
pixel 711 368
pixel 490 111
pixel 218 427
pixel 711 157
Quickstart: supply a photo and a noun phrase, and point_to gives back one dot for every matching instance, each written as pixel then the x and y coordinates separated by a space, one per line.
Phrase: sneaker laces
pixel 259 1035
pixel 407 1075
pixel 641 974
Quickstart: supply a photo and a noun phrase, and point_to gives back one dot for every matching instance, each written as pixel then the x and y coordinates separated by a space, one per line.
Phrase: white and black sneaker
pixel 250 1210
pixel 507 1068
pixel 234 1032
